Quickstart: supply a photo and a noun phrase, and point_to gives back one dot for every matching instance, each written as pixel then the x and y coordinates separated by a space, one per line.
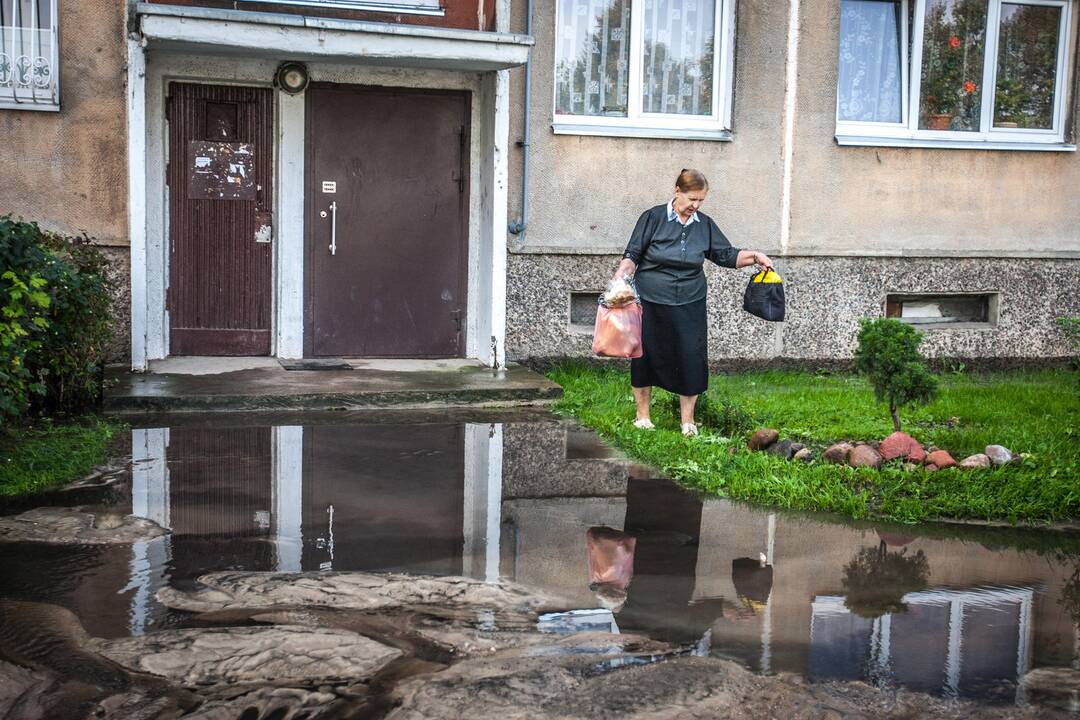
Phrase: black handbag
pixel 764 296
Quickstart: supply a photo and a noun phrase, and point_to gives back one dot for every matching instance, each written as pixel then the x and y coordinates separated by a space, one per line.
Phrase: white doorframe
pixel 148 203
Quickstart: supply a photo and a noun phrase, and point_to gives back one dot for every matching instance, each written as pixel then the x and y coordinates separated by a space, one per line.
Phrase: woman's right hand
pixel 626 269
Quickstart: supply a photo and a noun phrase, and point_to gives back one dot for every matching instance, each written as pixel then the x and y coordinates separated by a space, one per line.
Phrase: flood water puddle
pixel 950 611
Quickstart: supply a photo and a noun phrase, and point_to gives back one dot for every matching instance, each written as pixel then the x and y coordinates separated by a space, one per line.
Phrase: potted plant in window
pixel 941 67
pixel 941 109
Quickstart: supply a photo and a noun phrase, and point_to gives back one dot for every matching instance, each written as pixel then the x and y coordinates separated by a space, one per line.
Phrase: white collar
pixel 672 215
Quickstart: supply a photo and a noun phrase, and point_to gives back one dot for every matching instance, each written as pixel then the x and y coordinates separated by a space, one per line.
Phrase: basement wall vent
pixel 583 310
pixel 955 310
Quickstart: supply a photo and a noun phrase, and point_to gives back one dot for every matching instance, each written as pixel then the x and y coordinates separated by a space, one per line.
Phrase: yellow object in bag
pixel 768 276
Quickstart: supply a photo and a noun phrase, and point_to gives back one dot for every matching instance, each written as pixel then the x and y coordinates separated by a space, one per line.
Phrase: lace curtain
pixel 593 57
pixel 678 67
pixel 870 85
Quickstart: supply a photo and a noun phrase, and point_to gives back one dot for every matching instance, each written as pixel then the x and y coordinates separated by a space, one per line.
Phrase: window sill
pixel 943 144
pixel 365 5
pixel 641 132
pixel 949 325
pixel 39 106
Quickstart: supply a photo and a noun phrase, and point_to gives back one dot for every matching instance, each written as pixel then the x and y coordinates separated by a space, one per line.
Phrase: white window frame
pixel 956 600
pixel 30 97
pixel 637 123
pixel 908 134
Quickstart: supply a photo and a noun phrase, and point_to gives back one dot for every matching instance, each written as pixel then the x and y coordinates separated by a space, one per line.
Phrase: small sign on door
pixel 221 171
pixel 329 186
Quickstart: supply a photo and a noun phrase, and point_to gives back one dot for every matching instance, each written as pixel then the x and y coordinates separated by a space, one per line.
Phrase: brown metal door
pixel 387 206
pixel 220 203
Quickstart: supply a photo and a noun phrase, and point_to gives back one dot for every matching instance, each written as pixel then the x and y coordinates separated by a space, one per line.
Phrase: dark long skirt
pixel 675 340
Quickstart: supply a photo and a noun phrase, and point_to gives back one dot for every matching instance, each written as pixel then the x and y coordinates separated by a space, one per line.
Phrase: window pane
pixel 954 43
pixel 592 57
pixel 27 56
pixel 679 51
pixel 1027 66
pixel 870 86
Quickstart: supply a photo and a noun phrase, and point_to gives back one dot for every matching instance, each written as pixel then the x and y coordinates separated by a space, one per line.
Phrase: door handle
pixel 333 228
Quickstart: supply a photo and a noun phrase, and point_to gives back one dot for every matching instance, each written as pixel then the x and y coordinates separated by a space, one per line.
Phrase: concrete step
pixel 191 386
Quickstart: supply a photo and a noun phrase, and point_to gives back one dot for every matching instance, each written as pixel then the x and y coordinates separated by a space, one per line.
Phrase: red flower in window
pixel 954 42
pixel 969 87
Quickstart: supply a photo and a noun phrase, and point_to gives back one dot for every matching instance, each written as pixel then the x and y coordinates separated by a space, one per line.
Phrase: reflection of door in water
pixel 220 487
pixel 384 497
pixel 387 187
pixel 220 176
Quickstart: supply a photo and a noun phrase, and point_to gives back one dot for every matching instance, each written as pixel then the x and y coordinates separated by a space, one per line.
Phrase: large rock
pixel 864 456
pixel 72 526
pixel 899 445
pixel 348 590
pixel 974 462
pixel 941 459
pixel 999 455
pixel 279 654
pixel 837 453
pixel 763 438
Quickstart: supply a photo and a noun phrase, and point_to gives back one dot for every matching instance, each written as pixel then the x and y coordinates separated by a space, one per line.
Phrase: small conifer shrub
pixel 888 355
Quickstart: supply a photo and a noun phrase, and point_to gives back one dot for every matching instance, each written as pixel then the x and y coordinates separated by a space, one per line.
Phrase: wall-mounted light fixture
pixel 291 77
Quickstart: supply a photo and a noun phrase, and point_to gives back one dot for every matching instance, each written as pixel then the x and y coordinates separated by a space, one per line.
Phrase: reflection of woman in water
pixel 753 585
pixel 611 565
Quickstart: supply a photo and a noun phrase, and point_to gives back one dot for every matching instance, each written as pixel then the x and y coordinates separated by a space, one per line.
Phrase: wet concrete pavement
pixel 936 616
pixel 209 387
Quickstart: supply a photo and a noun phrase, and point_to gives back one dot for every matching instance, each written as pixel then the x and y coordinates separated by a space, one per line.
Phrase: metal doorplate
pixel 329 186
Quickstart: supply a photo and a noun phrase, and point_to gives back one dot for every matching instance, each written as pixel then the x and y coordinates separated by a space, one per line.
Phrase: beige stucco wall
pixel 587 192
pixel 884 200
pixel 68 170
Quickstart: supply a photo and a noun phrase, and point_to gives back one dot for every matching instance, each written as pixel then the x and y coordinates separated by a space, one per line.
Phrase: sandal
pixel 644 424
pixel 689 429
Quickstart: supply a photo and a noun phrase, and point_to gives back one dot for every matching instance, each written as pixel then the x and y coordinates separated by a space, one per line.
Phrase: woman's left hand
pixel 763 260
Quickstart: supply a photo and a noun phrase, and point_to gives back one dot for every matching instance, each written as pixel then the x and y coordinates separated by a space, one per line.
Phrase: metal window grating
pixel 583 309
pixel 29 55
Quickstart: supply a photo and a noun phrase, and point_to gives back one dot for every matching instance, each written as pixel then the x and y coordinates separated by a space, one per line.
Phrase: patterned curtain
pixel 870 85
pixel 593 57
pixel 679 49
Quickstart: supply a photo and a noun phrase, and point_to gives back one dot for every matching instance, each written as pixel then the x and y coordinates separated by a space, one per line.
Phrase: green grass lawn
pixel 1028 412
pixel 45 455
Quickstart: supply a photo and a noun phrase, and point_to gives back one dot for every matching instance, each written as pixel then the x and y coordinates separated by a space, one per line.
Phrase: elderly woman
pixel 666 254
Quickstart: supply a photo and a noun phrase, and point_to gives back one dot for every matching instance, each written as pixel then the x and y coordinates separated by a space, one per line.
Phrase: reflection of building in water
pixel 984 617
pixel 388 497
pixel 420 498
pixel 554 490
pixel 953 642
pixel 481 499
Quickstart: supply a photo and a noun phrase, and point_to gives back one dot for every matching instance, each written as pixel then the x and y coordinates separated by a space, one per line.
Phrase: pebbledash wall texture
pixel 861 223
pixel 826 297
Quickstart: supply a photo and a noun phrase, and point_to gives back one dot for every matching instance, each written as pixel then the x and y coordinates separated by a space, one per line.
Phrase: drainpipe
pixel 518 227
